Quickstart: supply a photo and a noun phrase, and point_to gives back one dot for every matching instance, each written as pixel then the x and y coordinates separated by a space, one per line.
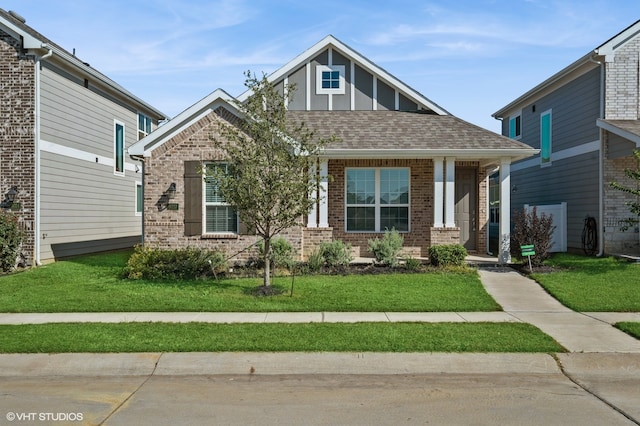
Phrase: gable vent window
pixel 330 80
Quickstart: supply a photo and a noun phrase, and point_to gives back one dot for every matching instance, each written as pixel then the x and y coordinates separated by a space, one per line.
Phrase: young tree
pixel 267 178
pixel 634 206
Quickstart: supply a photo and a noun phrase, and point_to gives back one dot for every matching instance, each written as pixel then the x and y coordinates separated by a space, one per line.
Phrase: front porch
pixel 447 204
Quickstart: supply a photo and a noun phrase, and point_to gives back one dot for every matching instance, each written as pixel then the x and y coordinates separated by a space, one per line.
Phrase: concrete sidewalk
pixel 525 300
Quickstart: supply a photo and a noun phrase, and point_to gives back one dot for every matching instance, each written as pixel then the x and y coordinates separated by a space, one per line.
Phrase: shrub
pixel 281 255
pixel 10 241
pixel 447 255
pixel 315 261
pixel 336 253
pixel 188 263
pixel 387 248
pixel 412 264
pixel 529 228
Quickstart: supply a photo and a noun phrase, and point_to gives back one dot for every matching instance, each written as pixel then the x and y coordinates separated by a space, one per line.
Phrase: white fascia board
pixel 106 81
pixel 559 79
pixel 331 41
pixel 28 41
pixel 145 146
pixel 497 154
pixel 608 48
pixel 618 131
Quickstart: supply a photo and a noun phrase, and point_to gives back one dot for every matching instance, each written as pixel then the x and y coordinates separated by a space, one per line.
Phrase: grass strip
pixel 311 337
pixel 592 284
pixel 95 284
pixel 632 328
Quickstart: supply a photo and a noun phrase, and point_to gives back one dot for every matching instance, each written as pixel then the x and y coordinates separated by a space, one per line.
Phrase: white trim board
pixel 78 154
pixel 575 151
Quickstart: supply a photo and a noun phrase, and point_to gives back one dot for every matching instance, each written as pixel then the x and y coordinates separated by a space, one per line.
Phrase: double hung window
pixel 219 216
pixel 118 148
pixel 545 138
pixel 377 199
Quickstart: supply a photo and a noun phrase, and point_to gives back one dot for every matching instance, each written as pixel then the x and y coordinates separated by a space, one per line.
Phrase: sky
pixel 471 57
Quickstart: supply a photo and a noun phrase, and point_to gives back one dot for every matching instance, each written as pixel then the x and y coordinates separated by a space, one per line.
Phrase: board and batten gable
pixel 363 86
pixel 85 204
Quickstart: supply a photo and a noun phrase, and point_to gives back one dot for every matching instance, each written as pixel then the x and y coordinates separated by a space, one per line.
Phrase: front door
pixel 466 208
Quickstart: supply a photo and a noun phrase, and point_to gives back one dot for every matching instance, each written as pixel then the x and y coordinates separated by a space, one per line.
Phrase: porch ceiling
pixel 628 129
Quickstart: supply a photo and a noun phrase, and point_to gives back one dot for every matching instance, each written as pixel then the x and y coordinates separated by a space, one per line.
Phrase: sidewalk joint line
pixel 115 410
pixel 595 395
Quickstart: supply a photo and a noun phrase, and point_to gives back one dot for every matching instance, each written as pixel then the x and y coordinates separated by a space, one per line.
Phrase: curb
pixel 270 363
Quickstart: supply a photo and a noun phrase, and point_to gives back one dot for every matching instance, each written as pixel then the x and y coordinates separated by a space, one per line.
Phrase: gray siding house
pixel 65 130
pixel 584 121
pixel 402 161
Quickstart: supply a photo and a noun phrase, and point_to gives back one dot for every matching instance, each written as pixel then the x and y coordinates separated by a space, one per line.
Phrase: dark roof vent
pixel 17 16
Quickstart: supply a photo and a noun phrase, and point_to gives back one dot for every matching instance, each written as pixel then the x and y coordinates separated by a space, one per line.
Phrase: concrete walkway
pixel 521 298
pixel 525 300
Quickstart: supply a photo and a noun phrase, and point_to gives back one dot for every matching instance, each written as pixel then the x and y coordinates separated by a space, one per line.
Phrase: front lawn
pixel 591 284
pixel 94 284
pixel 201 337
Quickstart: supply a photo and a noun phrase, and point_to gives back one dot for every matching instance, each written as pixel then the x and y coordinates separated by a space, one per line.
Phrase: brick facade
pixel 622 103
pixel 416 241
pixel 165 228
pixel 17 150
pixel 622 95
pixel 616 240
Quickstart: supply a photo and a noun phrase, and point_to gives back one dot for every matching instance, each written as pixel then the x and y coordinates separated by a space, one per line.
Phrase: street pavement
pixel 596 382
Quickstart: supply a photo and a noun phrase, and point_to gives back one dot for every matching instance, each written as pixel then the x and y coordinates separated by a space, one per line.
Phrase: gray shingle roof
pixel 393 130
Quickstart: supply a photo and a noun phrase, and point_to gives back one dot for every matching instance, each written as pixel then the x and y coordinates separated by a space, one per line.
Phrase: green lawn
pixel 590 284
pixel 95 284
pixel 200 337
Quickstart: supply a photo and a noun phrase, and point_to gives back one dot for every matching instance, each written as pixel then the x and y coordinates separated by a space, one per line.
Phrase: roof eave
pixel 586 60
pixel 619 131
pixel 144 147
pixel 419 153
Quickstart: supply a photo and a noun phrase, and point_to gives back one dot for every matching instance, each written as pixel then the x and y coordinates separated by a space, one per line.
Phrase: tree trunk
pixel 267 262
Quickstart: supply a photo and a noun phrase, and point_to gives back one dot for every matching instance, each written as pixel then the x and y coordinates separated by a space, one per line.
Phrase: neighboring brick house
pixel 65 128
pixel 585 121
pixel 402 161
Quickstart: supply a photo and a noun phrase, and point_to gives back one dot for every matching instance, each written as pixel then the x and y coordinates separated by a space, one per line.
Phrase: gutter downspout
pixel 601 159
pixel 38 62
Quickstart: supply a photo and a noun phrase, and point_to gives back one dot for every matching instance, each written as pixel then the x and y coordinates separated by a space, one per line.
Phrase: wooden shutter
pixel 192 198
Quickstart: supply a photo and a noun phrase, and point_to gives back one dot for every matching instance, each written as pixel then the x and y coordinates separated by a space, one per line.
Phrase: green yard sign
pixel 528 250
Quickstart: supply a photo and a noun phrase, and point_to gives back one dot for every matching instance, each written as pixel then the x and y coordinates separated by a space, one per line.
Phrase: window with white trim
pixel 515 126
pixel 545 138
pixel 219 216
pixel 377 199
pixel 144 125
pixel 118 148
pixel 330 79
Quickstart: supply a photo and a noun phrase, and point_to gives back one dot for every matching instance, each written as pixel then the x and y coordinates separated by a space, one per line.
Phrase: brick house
pixel 402 161
pixel 585 121
pixel 65 128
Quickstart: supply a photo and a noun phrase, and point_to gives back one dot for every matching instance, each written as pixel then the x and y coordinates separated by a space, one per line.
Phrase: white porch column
pixel 504 249
pixel 312 217
pixel 323 203
pixel 450 193
pixel 438 193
